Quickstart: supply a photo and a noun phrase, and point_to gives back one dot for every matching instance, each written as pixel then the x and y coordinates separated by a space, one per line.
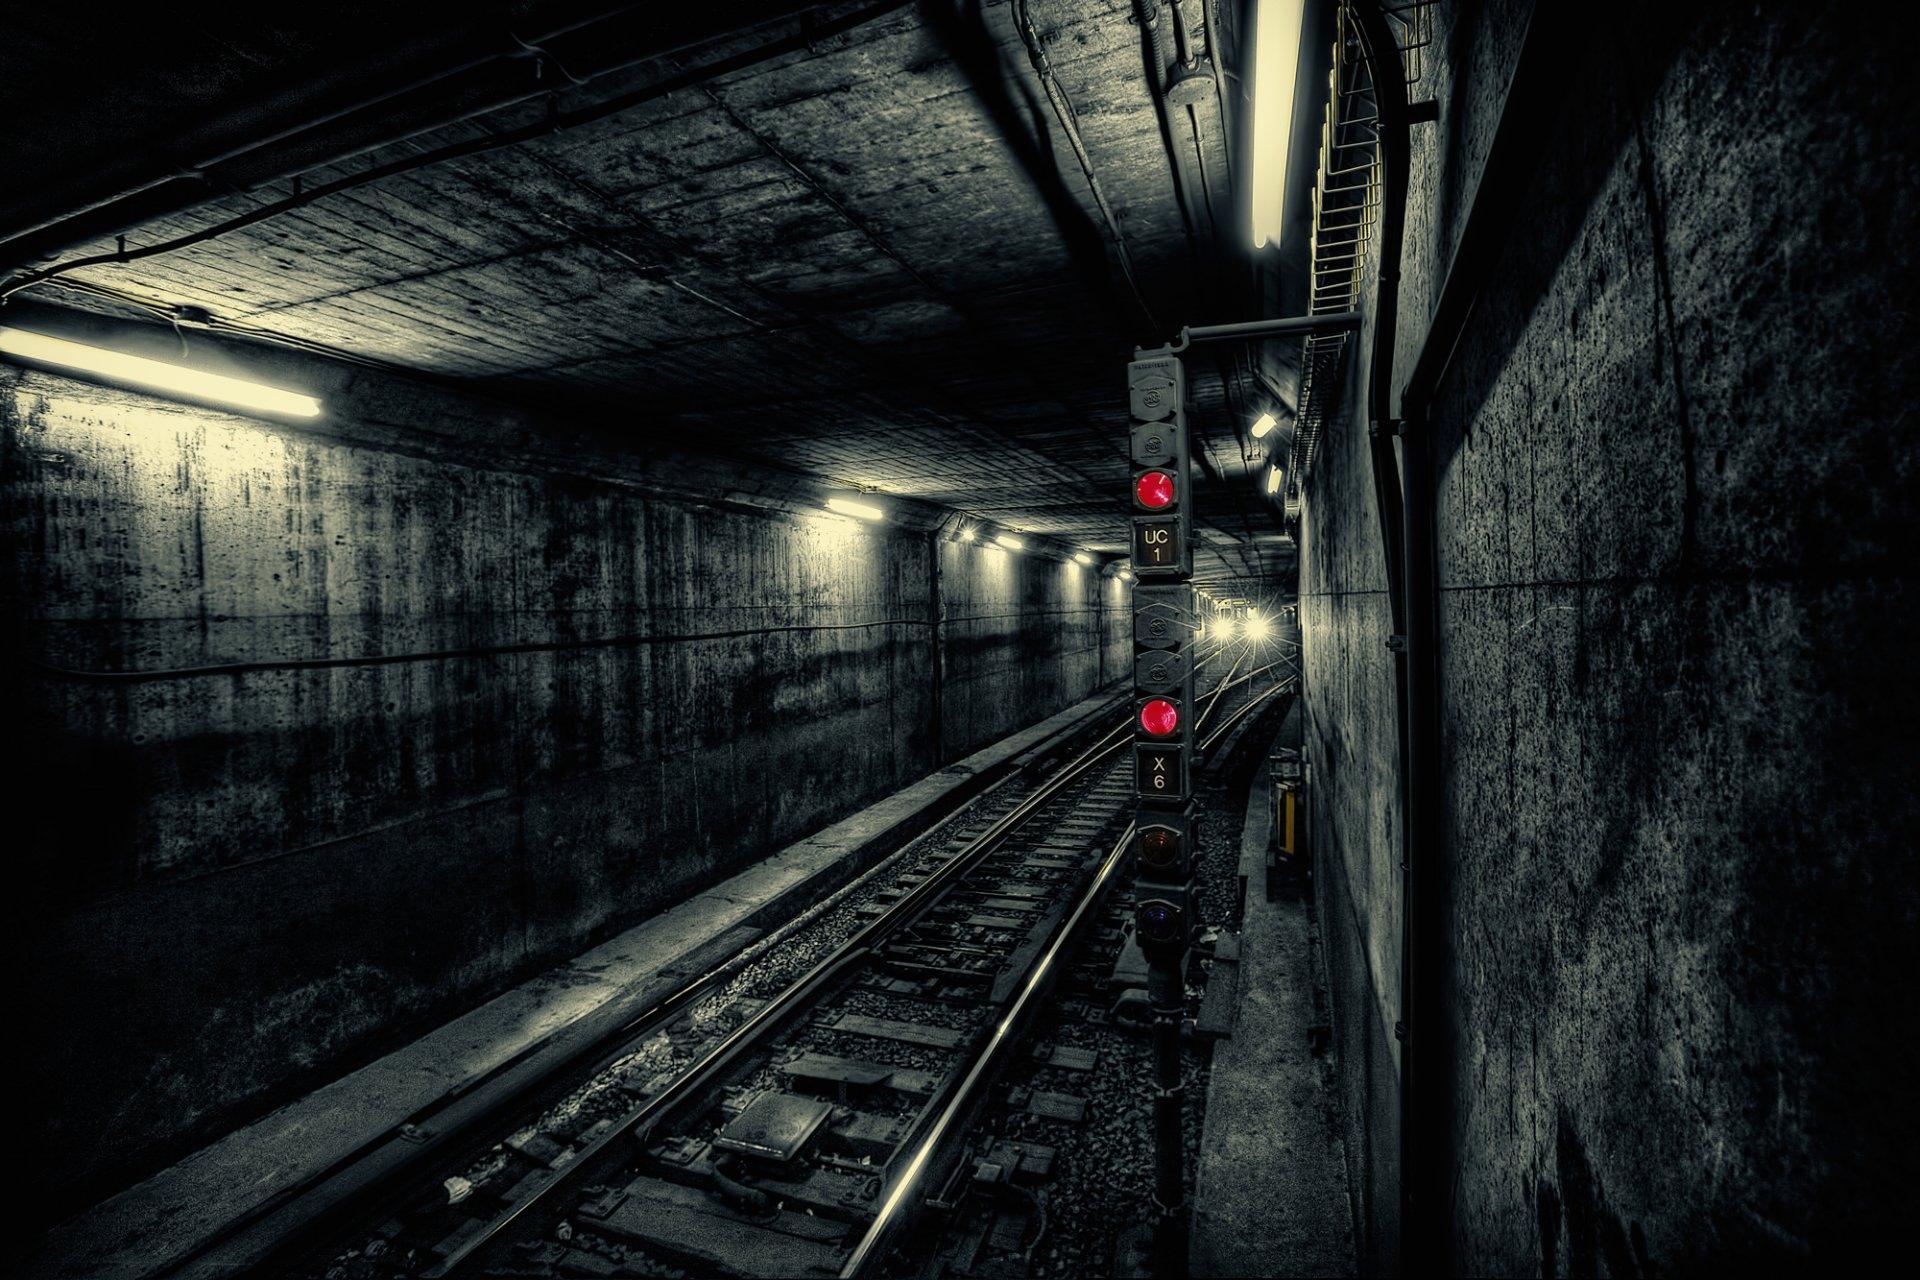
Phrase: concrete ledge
pixel 516 1036
pixel 1270 1189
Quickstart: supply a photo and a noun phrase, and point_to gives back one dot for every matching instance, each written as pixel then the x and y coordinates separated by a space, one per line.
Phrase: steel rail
pixel 794 1000
pixel 1213 694
pixel 1230 682
pixel 1241 713
pixel 1277 662
pixel 984 1066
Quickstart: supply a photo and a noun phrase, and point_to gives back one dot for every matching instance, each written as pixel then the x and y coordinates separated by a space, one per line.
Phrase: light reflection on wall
pixel 998 570
pixel 835 533
pixel 68 414
pixel 196 502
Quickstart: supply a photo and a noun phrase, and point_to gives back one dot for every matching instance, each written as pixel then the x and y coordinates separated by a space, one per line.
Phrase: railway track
pixel 811 1122
pixel 758 1125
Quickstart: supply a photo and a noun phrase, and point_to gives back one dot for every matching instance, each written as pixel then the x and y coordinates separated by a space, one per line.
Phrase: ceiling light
pixel 1276 44
pixel 1010 542
pixel 1265 424
pixel 1082 557
pixel 155 375
pixel 1273 479
pixel 966 534
pixel 848 507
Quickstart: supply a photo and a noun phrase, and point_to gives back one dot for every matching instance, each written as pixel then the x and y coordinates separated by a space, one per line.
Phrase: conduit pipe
pixel 1155 52
pixel 337 136
pixel 1540 76
pixel 1407 536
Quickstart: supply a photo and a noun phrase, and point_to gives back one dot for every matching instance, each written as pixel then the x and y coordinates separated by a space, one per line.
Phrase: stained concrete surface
pixel 1676 470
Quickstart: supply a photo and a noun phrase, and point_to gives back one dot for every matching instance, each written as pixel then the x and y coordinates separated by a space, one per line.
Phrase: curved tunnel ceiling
pixel 854 242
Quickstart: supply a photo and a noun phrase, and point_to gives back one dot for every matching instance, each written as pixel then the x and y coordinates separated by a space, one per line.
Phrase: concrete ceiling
pixel 850 241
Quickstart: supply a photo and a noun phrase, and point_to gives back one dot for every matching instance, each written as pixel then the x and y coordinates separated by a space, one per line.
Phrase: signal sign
pixel 1160 545
pixel 1160 772
pixel 1163 682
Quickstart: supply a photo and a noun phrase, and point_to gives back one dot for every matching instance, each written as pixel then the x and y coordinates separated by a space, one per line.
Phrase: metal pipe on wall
pixel 1403 486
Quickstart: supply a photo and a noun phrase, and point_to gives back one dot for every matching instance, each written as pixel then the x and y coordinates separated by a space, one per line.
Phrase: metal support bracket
pixel 1284 326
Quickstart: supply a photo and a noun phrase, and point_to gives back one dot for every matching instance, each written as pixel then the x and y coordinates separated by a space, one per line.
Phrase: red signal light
pixel 1154 490
pixel 1159 717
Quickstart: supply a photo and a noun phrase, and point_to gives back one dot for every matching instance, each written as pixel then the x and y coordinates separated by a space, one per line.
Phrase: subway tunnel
pixel 518 520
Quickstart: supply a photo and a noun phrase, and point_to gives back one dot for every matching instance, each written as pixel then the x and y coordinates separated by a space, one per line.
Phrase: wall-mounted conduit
pixel 633 641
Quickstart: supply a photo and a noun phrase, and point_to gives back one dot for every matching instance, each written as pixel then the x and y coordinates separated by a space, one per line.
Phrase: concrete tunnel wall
pixel 1676 458
pixel 261 877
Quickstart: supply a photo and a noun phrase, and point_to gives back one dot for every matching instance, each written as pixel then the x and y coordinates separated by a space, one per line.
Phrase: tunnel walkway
pixel 1270 1194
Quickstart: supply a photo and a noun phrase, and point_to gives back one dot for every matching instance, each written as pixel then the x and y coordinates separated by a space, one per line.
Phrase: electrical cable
pixel 1200 160
pixel 1217 55
pixel 1040 1216
pixel 628 641
pixel 547 58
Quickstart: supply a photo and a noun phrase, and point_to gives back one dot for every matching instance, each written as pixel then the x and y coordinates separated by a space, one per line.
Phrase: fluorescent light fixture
pixel 848 507
pixel 1010 542
pixel 1273 479
pixel 1081 557
pixel 155 375
pixel 1264 425
pixel 1276 50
